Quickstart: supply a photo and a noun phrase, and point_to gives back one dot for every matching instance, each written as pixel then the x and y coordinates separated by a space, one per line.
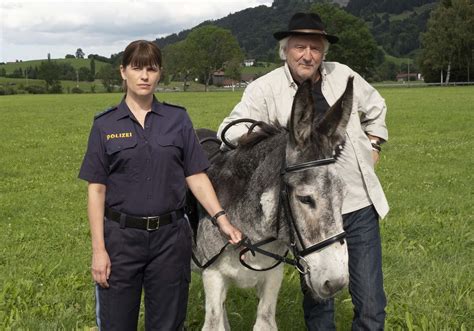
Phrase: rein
pixel 298 254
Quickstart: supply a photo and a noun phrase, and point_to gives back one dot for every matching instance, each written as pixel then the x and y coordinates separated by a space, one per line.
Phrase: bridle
pixel 298 253
pixel 294 233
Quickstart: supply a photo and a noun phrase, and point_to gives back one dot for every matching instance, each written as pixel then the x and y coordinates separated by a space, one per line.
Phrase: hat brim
pixel 283 34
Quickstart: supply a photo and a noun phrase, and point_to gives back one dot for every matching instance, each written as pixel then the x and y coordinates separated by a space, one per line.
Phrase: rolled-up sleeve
pixel 372 108
pixel 251 106
pixel 94 167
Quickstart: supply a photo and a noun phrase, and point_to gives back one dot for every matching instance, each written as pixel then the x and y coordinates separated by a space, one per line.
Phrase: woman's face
pixel 140 81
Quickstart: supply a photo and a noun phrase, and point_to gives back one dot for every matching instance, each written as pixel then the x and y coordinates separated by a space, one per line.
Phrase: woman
pixel 141 156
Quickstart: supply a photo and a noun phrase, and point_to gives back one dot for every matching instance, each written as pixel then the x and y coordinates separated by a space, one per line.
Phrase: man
pixel 303 47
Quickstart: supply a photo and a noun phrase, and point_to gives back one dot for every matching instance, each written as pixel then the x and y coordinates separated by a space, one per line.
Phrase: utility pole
pixel 408 75
pixel 77 78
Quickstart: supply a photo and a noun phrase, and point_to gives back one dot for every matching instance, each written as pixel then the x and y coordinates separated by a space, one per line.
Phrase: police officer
pixel 140 157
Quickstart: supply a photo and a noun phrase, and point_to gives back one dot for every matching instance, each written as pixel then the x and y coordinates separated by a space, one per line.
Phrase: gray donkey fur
pixel 247 182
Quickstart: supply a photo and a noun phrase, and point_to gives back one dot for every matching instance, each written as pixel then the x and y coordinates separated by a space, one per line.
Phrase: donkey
pixel 278 174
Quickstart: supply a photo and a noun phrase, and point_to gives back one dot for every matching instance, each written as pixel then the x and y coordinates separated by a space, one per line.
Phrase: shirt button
pixel 148 178
pixel 147 160
pixel 146 141
pixel 147 126
pixel 148 196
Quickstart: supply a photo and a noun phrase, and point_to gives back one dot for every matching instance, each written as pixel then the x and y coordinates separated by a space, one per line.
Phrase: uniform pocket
pixel 121 155
pixel 170 141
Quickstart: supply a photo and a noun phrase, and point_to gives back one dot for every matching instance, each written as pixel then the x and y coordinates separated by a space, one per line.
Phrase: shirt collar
pixel 123 110
pixel 291 82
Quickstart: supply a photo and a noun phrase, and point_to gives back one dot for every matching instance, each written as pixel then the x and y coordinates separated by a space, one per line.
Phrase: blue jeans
pixel 365 277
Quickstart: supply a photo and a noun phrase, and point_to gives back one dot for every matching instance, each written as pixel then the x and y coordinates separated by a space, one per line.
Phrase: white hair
pixel 284 45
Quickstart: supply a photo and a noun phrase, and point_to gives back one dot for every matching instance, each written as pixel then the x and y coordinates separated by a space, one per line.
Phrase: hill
pixel 10 67
pixel 396 25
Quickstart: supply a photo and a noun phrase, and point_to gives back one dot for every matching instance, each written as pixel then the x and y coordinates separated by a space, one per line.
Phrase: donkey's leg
pixel 267 290
pixel 215 289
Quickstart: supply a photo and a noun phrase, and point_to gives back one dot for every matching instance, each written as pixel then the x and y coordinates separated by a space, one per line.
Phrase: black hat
pixel 305 24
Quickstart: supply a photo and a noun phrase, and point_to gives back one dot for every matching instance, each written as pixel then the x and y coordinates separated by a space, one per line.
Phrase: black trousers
pixel 157 261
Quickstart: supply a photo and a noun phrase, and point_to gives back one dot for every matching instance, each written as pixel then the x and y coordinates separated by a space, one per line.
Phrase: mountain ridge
pixel 398 37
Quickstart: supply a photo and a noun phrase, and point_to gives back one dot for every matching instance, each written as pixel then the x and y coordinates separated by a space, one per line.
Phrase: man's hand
pixel 375 157
pixel 101 267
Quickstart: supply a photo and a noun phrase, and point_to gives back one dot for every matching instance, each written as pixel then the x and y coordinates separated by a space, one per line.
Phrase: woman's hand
pixel 101 267
pixel 234 234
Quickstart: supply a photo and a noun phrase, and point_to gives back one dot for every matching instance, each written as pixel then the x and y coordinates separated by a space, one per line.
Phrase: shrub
pixel 76 90
pixel 35 89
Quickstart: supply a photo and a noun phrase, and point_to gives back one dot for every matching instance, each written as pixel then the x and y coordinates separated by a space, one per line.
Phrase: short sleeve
pixel 195 159
pixel 94 167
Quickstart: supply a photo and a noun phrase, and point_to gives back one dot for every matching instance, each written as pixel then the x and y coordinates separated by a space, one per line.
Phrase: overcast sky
pixel 32 29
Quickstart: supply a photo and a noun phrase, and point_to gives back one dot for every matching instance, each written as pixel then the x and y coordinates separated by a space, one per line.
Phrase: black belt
pixel 149 223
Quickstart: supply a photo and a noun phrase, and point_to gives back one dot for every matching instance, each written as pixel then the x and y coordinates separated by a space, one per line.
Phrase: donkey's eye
pixel 307 200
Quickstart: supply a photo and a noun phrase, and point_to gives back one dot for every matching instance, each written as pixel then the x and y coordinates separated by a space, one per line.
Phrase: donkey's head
pixel 315 191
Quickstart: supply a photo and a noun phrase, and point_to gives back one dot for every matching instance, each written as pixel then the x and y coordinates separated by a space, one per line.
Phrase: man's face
pixel 304 55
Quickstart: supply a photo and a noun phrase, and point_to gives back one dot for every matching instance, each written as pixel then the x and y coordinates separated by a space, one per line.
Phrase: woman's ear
pixel 122 72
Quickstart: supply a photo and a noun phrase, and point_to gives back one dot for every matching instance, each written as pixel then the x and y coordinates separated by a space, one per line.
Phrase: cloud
pixel 28 29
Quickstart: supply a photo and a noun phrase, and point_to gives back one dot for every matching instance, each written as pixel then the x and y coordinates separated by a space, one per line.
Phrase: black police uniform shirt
pixel 144 169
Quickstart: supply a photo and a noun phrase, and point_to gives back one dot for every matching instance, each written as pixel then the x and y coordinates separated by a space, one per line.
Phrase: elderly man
pixel 303 48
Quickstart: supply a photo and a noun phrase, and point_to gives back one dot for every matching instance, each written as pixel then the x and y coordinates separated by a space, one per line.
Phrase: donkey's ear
pixel 334 122
pixel 302 115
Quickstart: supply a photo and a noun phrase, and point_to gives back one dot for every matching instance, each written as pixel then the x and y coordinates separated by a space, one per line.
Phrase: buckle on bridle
pixel 301 268
pixel 152 223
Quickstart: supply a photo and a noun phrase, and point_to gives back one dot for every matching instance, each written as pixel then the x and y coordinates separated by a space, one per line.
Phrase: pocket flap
pixel 169 141
pixel 117 145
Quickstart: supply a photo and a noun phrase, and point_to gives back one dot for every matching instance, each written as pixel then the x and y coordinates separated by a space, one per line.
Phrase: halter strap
pixel 310 164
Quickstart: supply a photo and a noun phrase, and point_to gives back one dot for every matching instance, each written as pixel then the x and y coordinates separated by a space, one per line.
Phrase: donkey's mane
pixel 266 131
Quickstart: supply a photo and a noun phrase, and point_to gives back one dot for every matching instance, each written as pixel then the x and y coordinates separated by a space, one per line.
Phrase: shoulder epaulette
pixel 176 106
pixel 105 112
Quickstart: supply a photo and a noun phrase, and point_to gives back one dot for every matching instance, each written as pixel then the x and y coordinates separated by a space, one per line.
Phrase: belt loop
pixel 123 218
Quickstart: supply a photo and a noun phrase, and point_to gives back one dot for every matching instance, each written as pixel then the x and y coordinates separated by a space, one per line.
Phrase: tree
pixel 233 70
pixel 449 40
pixel 210 47
pixel 110 76
pixel 356 46
pixel 92 67
pixel 80 54
pixel 84 74
pixel 178 62
pixel 49 71
pixel 70 56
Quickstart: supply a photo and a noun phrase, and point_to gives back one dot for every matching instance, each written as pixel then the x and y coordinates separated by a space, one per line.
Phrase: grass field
pixel 426 170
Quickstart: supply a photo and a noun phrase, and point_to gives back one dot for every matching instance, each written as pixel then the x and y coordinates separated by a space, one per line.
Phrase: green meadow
pixel 426 169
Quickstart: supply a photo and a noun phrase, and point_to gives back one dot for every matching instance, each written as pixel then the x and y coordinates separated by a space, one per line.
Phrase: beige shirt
pixel 270 98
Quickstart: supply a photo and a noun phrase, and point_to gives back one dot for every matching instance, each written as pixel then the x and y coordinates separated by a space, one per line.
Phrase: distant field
pixel 76 63
pixel 426 170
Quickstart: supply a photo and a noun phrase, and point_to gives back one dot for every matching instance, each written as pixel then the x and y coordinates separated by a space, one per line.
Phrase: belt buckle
pixel 150 227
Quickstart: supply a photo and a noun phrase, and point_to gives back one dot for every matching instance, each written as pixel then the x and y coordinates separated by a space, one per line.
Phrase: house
pixel 249 62
pixel 403 76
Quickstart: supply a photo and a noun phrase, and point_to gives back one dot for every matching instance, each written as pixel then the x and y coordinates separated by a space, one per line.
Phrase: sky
pixel 29 30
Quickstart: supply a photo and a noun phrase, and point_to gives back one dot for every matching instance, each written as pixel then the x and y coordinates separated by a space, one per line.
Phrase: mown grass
pixel 426 170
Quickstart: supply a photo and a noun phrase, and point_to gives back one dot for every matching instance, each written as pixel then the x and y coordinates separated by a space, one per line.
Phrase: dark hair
pixel 142 53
